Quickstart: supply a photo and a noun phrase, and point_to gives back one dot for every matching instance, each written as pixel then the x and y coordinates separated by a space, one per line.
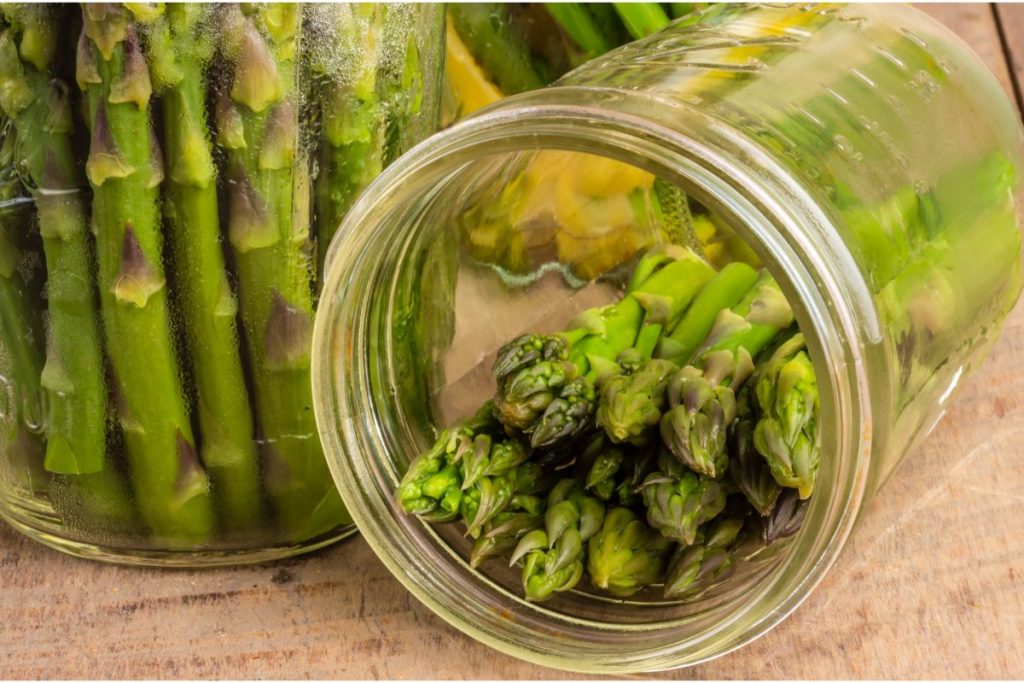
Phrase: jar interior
pixel 521 242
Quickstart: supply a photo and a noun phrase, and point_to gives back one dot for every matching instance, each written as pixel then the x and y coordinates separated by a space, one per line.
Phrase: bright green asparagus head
pixel 696 568
pixel 432 486
pixel 695 428
pixel 787 433
pixel 626 555
pixel 631 405
pixel 679 501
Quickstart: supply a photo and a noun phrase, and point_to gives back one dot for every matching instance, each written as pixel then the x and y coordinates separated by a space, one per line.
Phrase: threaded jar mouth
pixel 369 435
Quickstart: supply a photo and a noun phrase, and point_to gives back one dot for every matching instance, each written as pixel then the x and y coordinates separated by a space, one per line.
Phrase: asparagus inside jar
pixel 645 408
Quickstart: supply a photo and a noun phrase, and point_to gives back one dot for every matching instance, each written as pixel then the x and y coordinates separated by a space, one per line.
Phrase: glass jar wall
pixel 807 137
pixel 169 189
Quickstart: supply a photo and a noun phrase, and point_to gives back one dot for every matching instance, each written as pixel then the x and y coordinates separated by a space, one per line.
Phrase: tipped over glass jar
pixel 168 191
pixel 862 155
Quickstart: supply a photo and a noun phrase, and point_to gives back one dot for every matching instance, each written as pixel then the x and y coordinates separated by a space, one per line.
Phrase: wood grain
pixel 931 585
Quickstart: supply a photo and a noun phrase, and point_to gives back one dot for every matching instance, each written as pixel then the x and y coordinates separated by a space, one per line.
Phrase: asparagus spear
pixel 180 47
pixel 582 26
pixel 553 557
pixel 695 568
pixel 641 18
pixel 787 431
pixel 626 555
pixel 724 291
pixel 487 32
pixel 21 331
pixel 502 534
pixel 73 377
pixel 256 125
pixel 679 501
pixel 351 143
pixel 632 404
pixel 432 485
pixel 702 395
pixel 125 170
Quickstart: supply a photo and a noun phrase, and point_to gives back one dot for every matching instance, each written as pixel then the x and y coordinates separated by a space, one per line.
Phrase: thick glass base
pixel 39 526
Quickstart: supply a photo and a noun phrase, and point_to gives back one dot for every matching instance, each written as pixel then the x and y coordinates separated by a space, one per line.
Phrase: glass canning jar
pixel 156 404
pixel 863 153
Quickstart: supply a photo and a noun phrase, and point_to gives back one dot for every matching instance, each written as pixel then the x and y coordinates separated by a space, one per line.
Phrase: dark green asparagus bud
pixel 631 405
pixel 553 556
pixel 566 416
pixel 626 555
pixel 695 568
pixel 785 519
pixel 748 470
pixel 679 501
pixel 522 402
pixel 787 431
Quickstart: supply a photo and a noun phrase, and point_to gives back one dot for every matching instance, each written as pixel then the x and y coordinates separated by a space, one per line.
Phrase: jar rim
pixel 722 167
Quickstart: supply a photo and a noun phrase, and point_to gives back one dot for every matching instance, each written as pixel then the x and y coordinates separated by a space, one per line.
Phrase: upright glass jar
pixel 863 153
pixel 168 191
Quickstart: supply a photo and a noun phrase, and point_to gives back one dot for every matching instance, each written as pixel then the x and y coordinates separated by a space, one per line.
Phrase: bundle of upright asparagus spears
pixel 188 165
pixel 641 445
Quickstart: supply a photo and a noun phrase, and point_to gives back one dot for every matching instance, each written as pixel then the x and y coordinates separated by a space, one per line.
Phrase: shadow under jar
pixel 169 189
pixel 863 154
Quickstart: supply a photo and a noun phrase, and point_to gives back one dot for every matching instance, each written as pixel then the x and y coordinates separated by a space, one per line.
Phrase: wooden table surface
pixel 931 585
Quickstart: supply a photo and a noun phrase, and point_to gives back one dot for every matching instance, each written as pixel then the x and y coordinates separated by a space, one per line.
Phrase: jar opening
pixel 390 280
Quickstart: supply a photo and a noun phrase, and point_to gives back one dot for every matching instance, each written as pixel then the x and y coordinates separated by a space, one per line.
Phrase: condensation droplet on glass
pixel 847 149
pixel 913 37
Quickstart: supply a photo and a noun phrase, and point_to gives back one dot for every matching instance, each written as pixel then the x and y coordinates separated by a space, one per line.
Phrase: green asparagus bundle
pixel 192 361
pixel 626 490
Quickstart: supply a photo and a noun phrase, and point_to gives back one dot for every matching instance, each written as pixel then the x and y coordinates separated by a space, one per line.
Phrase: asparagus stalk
pixel 582 26
pixel 125 170
pixel 724 291
pixel 256 125
pixel 787 431
pixel 21 332
pixel 553 557
pixel 702 395
pixel 73 376
pixel 487 32
pixel 180 47
pixel 22 329
pixel 626 555
pixel 641 18
pixel 351 144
